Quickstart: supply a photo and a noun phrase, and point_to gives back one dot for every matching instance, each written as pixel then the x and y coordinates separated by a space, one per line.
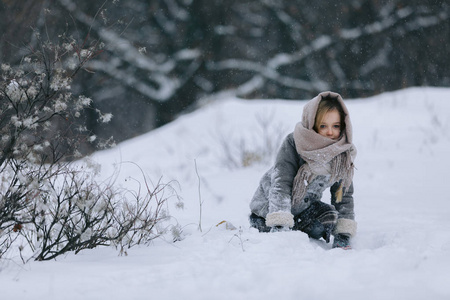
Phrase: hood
pixel 310 110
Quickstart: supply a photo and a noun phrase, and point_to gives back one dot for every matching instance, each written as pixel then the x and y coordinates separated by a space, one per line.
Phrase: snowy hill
pixel 217 155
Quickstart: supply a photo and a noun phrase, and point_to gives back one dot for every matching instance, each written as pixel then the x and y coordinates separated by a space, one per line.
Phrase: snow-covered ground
pixel 402 250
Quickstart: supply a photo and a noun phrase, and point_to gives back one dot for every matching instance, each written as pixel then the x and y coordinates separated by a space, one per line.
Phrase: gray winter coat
pixel 274 193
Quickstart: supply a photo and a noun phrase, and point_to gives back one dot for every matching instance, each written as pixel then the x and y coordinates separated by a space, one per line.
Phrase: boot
pixel 342 241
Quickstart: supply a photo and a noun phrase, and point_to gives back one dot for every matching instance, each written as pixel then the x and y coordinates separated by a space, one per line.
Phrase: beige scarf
pixel 322 153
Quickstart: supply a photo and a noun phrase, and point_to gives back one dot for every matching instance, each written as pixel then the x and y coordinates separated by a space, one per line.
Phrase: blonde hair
pixel 326 105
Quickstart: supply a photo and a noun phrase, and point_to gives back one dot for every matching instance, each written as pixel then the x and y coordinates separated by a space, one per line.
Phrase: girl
pixel 317 155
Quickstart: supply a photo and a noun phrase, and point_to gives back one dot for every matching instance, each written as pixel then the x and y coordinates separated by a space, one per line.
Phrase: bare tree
pixel 162 56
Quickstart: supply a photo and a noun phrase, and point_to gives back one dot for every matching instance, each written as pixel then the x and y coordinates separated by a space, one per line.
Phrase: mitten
pixel 342 241
pixel 317 220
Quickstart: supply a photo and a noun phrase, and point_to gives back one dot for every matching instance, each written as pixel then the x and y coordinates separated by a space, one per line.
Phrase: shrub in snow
pixel 71 211
pixel 49 204
pixel 257 145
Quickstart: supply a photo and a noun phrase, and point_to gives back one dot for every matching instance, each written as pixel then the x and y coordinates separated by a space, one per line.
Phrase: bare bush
pixel 142 214
pixel 253 146
pixel 38 124
pixel 51 203
pixel 7 239
pixel 71 211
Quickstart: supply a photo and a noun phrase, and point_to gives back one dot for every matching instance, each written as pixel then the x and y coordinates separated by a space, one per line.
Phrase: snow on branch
pixel 400 22
pixel 266 72
pixel 159 85
pixel 117 43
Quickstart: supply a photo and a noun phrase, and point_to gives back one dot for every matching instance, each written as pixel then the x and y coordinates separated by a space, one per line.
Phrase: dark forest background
pixel 161 56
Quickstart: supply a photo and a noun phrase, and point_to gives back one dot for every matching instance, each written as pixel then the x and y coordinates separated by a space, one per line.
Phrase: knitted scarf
pixel 322 154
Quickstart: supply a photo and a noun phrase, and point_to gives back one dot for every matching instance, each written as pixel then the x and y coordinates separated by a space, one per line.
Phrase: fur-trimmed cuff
pixel 346 226
pixel 280 218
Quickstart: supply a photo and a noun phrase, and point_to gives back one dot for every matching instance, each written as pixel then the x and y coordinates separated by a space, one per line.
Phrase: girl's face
pixel 330 126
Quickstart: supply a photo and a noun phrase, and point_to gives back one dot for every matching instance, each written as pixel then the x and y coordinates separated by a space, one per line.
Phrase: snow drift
pixel 217 155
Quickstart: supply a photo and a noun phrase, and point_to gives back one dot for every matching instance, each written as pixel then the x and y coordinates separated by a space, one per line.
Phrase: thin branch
pixel 199 197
